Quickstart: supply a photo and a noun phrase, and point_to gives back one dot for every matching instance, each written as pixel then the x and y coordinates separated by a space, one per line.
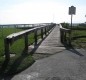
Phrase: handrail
pixel 65 29
pixel 63 35
pixel 10 39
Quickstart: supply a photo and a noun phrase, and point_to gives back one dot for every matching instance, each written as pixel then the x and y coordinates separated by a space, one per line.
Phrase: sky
pixel 41 11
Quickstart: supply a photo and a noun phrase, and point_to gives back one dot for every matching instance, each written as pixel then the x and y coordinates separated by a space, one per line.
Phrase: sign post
pixel 72 10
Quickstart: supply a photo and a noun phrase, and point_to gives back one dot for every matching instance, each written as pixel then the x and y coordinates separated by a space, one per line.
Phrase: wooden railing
pixel 15 36
pixel 64 34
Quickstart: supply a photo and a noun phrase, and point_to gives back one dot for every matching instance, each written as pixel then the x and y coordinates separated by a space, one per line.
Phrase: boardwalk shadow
pixel 3 68
pixel 72 49
pixel 8 75
pixel 13 68
pixel 39 43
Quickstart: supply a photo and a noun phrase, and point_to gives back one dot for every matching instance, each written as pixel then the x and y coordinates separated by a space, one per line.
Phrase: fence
pixel 75 33
pixel 44 29
pixel 14 28
pixel 64 34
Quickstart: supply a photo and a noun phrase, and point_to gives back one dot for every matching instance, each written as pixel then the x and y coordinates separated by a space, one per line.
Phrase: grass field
pixel 78 35
pixel 79 40
pixel 3 33
pixel 17 46
pixel 18 62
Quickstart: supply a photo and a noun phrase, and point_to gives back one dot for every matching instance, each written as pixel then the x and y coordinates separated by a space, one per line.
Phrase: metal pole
pixel 70 34
pixel 71 21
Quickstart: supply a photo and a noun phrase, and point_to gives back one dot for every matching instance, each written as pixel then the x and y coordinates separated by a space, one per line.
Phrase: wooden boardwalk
pixel 68 64
pixel 51 44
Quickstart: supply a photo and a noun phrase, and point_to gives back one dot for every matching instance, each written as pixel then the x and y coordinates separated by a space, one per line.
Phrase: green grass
pixel 18 46
pixel 15 65
pixel 3 33
pixel 79 43
pixel 6 31
pixel 18 62
pixel 78 33
pixel 80 38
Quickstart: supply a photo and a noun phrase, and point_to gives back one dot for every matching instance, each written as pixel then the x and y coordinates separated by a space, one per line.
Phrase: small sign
pixel 72 10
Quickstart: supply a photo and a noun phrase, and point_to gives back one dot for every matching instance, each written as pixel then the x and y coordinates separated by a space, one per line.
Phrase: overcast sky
pixel 40 11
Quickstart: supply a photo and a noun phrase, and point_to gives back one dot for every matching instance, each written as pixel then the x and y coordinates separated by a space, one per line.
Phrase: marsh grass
pixel 19 62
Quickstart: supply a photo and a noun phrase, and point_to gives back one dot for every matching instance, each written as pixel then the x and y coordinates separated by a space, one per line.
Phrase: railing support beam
pixel 26 43
pixel 35 36
pixel 7 53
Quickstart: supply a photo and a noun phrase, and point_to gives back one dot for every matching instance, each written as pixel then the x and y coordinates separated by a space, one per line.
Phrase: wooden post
pixel 48 28
pixel 65 36
pixel 62 36
pixel 45 30
pixel 7 53
pixel 35 36
pixel 69 37
pixel 42 33
pixel 26 43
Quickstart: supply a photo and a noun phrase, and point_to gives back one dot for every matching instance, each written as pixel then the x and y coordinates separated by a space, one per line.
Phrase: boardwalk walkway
pixel 68 64
pixel 51 44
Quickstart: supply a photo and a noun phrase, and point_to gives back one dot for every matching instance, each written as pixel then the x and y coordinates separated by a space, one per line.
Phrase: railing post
pixel 48 29
pixel 26 43
pixel 35 36
pixel 7 53
pixel 64 36
pixel 70 38
pixel 60 35
pixel 42 33
pixel 45 30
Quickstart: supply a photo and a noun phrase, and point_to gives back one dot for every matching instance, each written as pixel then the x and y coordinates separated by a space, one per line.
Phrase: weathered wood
pixel 26 43
pixel 70 38
pixel 48 29
pixel 35 36
pixel 7 53
pixel 65 36
pixel 45 30
pixel 42 33
pixel 15 36
pixel 63 33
